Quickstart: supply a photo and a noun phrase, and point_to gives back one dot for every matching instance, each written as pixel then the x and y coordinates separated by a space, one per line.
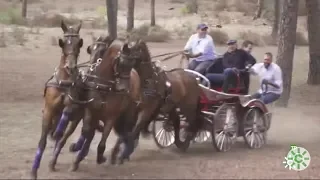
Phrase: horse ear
pixel 63 26
pixel 89 49
pixel 81 43
pixel 61 43
pixel 126 49
pixel 79 27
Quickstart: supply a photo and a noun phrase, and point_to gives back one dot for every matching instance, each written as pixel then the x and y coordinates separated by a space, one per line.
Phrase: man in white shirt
pixel 200 49
pixel 270 80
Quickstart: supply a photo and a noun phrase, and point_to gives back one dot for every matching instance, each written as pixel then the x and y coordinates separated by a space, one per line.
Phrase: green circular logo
pixel 298 158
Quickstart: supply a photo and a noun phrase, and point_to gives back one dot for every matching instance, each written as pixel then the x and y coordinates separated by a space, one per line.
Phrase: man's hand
pixel 235 70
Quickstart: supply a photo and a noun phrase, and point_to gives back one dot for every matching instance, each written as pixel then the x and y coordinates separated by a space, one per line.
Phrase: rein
pixel 172 55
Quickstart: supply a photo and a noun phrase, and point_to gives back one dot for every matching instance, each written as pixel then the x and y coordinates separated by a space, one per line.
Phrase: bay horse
pixel 112 84
pixel 165 90
pixel 58 86
pixel 96 51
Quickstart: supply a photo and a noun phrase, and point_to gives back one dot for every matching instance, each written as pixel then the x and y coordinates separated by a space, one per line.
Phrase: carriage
pixel 226 116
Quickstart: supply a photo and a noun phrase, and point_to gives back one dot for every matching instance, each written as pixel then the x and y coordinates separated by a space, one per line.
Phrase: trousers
pixel 267 98
pixel 226 78
pixel 199 66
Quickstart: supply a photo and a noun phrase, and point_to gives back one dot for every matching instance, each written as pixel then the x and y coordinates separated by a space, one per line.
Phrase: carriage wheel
pixel 163 136
pixel 225 128
pixel 255 128
pixel 202 136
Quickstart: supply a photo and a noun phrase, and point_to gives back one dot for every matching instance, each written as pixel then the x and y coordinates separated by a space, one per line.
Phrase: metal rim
pixel 225 128
pixel 207 84
pixel 202 136
pixel 254 128
pixel 164 137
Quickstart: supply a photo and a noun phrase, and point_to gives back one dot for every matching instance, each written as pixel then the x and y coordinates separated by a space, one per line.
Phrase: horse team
pixel 122 88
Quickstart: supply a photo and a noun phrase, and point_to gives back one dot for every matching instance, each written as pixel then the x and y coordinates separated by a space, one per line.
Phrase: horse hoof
pixel 34 175
pixel 74 167
pixel 52 166
pixel 73 148
pixel 101 160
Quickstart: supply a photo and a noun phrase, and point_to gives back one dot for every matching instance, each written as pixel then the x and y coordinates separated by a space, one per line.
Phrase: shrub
pixel 150 33
pixel 219 37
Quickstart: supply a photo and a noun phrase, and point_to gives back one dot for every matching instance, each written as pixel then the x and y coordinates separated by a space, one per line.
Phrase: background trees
pixel 313 23
pixel 287 40
pixel 130 15
pixel 112 13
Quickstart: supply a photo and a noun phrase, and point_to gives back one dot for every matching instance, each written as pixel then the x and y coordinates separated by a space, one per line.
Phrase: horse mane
pixel 142 45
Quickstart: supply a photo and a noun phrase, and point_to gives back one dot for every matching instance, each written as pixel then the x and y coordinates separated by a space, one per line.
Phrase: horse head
pixel 97 49
pixel 70 44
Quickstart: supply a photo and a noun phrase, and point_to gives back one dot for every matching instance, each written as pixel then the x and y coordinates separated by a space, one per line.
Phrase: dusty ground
pixel 24 69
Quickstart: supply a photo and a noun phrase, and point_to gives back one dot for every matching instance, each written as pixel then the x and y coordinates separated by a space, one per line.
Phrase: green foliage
pixel 12 16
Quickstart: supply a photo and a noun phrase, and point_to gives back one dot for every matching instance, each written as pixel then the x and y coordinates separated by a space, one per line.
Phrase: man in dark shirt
pixel 233 60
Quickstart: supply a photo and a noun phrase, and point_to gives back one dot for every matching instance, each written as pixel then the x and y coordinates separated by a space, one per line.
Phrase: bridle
pixel 65 67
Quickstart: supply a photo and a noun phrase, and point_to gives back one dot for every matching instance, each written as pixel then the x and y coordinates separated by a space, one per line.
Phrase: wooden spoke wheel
pixel 225 128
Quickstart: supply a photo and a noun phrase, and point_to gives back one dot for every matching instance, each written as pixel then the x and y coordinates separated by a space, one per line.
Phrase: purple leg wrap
pixel 80 143
pixel 62 123
pixel 37 159
pixel 83 153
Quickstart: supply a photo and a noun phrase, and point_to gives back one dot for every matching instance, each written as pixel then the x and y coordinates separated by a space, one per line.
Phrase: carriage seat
pixel 217 67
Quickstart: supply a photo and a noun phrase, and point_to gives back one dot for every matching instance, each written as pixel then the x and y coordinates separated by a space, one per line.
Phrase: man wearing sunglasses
pixel 270 75
pixel 200 49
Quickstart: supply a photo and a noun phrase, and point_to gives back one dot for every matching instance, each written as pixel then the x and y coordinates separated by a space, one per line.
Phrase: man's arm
pixel 188 46
pixel 254 69
pixel 249 59
pixel 278 78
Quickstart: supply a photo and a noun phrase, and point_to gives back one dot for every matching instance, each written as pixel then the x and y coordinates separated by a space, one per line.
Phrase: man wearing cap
pixel 233 60
pixel 200 49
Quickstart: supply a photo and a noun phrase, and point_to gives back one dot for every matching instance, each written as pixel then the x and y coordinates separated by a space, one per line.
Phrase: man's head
pixel 202 30
pixel 232 45
pixel 247 46
pixel 267 60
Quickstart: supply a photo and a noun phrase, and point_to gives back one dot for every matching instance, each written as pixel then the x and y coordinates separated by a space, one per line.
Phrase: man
pixel 270 75
pixel 233 60
pixel 247 46
pixel 200 48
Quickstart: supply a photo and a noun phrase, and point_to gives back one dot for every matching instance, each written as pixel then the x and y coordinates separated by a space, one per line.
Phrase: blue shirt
pixel 201 45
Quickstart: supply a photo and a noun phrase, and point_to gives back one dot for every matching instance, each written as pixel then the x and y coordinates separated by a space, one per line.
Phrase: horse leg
pixel 55 122
pixel 46 126
pixel 144 117
pixel 102 144
pixel 75 147
pixel 88 132
pixel 63 122
pixel 71 128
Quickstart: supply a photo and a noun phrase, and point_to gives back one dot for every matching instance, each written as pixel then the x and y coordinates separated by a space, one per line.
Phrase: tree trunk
pixel 259 9
pixel 130 15
pixel 287 40
pixel 313 10
pixel 276 22
pixel 153 13
pixel 112 13
pixel 24 8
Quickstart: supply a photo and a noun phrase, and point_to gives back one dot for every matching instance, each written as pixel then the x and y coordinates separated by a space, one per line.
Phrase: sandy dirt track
pixel 25 69
pixel 22 79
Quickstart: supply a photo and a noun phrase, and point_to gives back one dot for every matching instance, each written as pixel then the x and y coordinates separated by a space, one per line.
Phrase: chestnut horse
pixel 113 85
pixel 58 86
pixel 165 90
pixel 96 51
